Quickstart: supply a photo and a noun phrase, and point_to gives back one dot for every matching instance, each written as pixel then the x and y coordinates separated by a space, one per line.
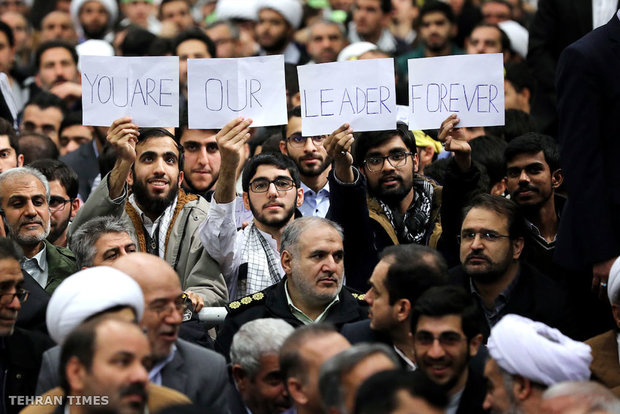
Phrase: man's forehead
pixel 294 125
pixel 395 141
pixel 320 237
pixel 198 134
pixel 159 145
pixel 525 158
pixel 439 324
pixel 11 271
pixel 323 28
pixel 271 171
pixel 485 216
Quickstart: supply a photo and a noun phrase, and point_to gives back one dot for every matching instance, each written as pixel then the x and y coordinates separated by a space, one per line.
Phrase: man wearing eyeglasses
pixel 250 258
pixel 24 200
pixel 313 163
pixel 447 333
pixel 491 243
pixel 20 349
pixel 63 203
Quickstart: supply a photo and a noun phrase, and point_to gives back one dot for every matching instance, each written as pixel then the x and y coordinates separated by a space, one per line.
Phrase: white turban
pixel 355 50
pixel 236 9
pixel 518 36
pixel 87 293
pixel 110 6
pixel 291 10
pixel 613 284
pixel 537 352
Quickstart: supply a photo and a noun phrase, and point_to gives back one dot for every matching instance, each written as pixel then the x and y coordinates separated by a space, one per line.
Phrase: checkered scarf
pixel 262 265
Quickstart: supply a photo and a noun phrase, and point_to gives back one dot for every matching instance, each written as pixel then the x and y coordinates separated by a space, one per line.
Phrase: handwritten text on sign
pixel 472 86
pixel 360 92
pixel 145 88
pixel 220 90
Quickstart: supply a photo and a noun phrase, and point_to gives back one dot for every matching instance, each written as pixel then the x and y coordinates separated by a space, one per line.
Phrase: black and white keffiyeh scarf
pixel 262 265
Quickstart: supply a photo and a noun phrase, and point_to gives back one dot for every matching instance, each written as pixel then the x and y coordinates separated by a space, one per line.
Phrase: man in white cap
pixel 94 19
pixel 605 347
pixel 527 357
pixel 88 293
pixel 277 22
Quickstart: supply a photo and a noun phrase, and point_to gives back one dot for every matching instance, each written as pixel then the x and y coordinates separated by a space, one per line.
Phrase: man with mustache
pixel 249 258
pixel 313 163
pixel 491 243
pixel 24 199
pixel 165 219
pixel 312 257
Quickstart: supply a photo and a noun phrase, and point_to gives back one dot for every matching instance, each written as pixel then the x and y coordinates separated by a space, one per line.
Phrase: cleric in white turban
pixel 526 357
pixel 90 292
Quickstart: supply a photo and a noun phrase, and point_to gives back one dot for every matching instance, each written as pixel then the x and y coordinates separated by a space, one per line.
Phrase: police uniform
pixel 272 303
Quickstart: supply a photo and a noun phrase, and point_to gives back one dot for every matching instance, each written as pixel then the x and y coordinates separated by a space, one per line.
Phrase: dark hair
pixel 291 363
pixel 40 147
pixel 194 34
pixel 80 343
pixel 365 141
pixel 8 32
pixel 45 100
pixel 503 37
pixel 503 207
pixel 437 170
pixel 386 6
pixel 71 119
pixel 58 170
pixel 160 46
pixel 489 152
pixel 52 44
pixel 137 41
pixel 147 133
pixel 412 270
pixel 449 300
pixel 161 5
pixel 520 76
pixel 378 393
pixel 434 6
pixel 290 79
pixel 280 161
pixel 533 143
pixel 516 123
pixel 7 129
pixel 10 250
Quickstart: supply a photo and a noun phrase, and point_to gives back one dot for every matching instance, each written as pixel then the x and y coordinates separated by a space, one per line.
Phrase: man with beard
pixel 24 199
pixel 95 18
pixel 165 219
pixel 437 30
pixel 255 368
pixel 526 357
pixel 249 258
pixel 312 291
pixel 313 163
pixel 491 243
pixel 277 22
pixel 370 24
pixel 202 159
pixel 325 40
pixel 63 204
pixel 447 332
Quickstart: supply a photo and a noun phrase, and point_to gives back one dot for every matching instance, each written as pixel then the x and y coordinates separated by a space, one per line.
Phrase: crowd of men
pixel 456 270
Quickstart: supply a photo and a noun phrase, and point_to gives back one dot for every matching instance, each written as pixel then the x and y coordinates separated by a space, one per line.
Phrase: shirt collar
pixel 299 314
pixel 308 190
pixel 40 258
pixel 156 370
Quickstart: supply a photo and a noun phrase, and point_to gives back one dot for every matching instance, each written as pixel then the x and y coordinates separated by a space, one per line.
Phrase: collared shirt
pixel 37 266
pixel 155 373
pixel 602 11
pixel 387 41
pixel 300 315
pixel 315 204
pixel 220 238
pixel 162 223
pixel 411 366
pixel 494 315
pixel 538 236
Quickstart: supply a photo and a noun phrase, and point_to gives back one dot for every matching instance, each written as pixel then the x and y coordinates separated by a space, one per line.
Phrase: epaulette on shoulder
pixel 359 296
pixel 246 302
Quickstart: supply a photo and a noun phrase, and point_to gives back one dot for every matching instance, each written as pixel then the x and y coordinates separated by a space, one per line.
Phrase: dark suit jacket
pixel 32 314
pixel 84 162
pixel 588 108
pixel 473 394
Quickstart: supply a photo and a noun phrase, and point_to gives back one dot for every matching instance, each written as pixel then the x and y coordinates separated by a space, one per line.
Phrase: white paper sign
pixel 145 88
pixel 471 86
pixel 220 90
pixel 359 92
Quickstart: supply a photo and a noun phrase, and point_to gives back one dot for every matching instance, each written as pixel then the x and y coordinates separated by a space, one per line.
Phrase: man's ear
pixel 521 387
pixel 557 178
pixel 517 245
pixel 246 200
pixel 499 188
pixel 416 162
pixel 295 390
pixel 181 176
pixel 283 148
pixel 402 309
pixel 474 345
pixel 286 259
pixel 240 377
pixel 130 178
pixel 75 373
pixel 300 196
pixel 75 206
pixel 20 160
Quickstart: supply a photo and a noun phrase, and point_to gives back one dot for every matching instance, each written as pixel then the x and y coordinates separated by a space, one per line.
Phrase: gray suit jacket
pixel 199 373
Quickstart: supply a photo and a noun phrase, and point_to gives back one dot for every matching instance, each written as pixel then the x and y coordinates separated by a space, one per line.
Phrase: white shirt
pixel 315 204
pixel 602 11
pixel 291 54
pixel 155 373
pixel 37 267
pixel 220 238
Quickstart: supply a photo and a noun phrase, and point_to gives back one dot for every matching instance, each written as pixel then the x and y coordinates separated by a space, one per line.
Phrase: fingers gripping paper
pixel 222 89
pixel 145 88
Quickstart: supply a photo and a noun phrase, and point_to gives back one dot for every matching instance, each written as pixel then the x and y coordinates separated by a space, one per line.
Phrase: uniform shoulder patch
pixel 358 296
pixel 246 302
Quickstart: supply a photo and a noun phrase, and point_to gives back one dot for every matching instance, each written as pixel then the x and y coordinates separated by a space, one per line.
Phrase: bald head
pixel 148 270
